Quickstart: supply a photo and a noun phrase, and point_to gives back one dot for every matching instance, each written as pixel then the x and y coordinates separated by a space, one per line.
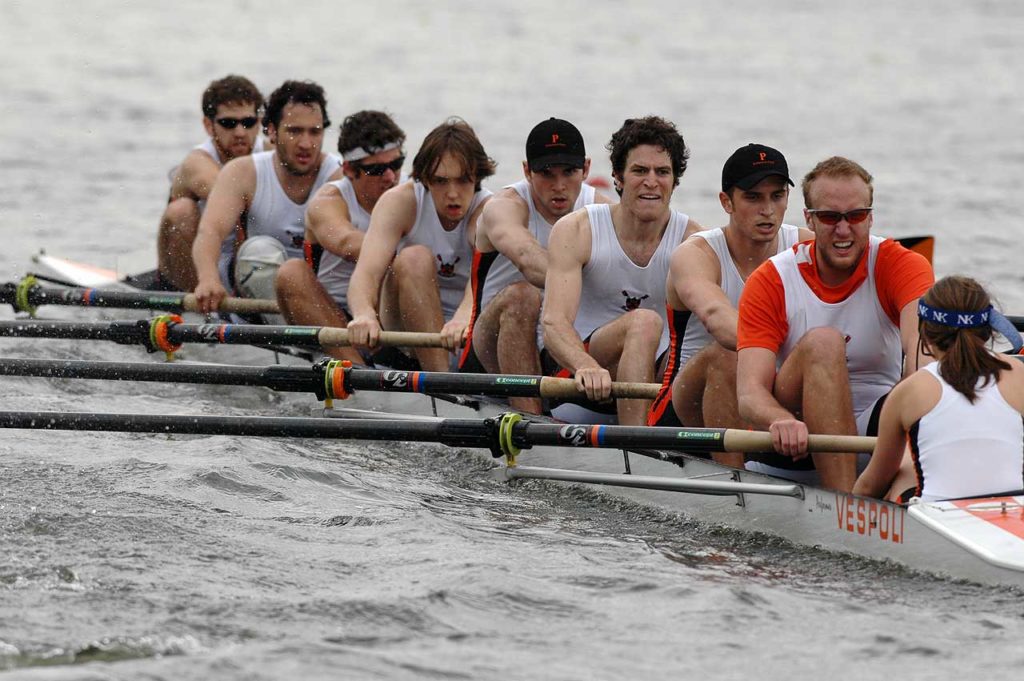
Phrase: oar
pixel 503 435
pixel 167 334
pixel 28 295
pixel 324 379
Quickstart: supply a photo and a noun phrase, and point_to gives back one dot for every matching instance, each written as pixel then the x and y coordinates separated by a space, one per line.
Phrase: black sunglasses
pixel 230 123
pixel 377 169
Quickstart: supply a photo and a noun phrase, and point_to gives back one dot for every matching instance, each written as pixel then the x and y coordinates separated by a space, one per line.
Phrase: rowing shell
pixel 980 540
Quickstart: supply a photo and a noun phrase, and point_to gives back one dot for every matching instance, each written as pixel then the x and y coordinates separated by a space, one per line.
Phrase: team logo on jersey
pixel 446 269
pixel 633 302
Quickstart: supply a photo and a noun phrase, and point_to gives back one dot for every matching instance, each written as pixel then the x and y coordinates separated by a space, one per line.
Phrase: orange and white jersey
pixel 613 284
pixel 962 449
pixel 785 298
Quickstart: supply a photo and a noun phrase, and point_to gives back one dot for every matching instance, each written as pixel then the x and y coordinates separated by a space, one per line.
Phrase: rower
pixel 604 294
pixel 413 269
pixel 962 413
pixel 270 189
pixel 706 277
pixel 231 108
pixel 314 292
pixel 823 328
pixel 511 258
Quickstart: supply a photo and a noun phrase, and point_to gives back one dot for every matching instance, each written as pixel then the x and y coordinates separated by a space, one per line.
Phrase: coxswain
pixel 269 190
pixel 413 268
pixel 823 329
pixel 706 276
pixel 604 294
pixel 231 109
pixel 510 261
pixel 962 414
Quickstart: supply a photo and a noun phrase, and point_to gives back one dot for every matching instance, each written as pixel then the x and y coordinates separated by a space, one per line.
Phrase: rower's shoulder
pixel 692 227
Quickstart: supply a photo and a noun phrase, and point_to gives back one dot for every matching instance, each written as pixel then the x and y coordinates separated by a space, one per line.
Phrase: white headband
pixel 360 153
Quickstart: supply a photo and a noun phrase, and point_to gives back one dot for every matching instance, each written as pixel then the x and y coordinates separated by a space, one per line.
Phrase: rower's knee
pixel 180 220
pixel 293 278
pixel 521 300
pixel 414 262
pixel 824 343
pixel 644 326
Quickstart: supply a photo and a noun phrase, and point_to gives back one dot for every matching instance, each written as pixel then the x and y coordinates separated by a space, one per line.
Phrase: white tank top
pixel 963 449
pixel 695 335
pixel 273 213
pixel 613 284
pixel 503 271
pixel 452 251
pixel 874 354
pixel 335 272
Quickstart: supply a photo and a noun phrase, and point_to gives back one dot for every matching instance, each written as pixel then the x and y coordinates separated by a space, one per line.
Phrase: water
pixel 137 556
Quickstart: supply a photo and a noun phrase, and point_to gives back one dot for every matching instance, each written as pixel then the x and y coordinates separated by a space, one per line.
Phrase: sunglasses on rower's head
pixel 834 217
pixel 230 123
pixel 377 169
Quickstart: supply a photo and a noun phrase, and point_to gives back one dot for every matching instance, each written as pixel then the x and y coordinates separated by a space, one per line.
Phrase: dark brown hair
pixel 458 139
pixel 652 130
pixel 837 166
pixel 295 92
pixel 229 90
pixel 368 129
pixel 966 358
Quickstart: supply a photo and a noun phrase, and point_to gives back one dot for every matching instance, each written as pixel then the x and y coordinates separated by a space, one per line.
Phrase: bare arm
pixel 453 333
pixel 696 275
pixel 392 218
pixel 195 177
pixel 503 228
pixel 568 252
pixel 229 199
pixel 329 223
pixel 755 382
pixel 888 455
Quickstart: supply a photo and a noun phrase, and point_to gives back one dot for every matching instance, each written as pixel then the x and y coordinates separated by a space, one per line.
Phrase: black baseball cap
pixel 750 164
pixel 555 142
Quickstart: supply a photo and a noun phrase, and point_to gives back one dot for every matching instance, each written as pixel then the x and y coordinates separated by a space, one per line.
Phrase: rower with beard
pixel 823 329
pixel 413 269
pixel 314 292
pixel 706 277
pixel 269 190
pixel 511 257
pixel 604 294
pixel 231 107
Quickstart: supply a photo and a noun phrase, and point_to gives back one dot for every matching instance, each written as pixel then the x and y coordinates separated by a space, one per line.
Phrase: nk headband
pixel 972 320
pixel 359 153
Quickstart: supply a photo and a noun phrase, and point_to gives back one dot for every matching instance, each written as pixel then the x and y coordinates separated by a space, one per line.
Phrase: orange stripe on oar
pixel 416 380
pixel 596 435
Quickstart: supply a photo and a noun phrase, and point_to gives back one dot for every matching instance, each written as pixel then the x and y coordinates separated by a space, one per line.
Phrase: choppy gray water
pixel 127 557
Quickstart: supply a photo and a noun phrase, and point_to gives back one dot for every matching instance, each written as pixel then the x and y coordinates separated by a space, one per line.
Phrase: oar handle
pixel 236 305
pixel 331 336
pixel 760 441
pixel 565 389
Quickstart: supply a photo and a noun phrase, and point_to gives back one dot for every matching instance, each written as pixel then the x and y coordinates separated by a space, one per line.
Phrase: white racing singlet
pixel 453 254
pixel 274 214
pixel 874 354
pixel 695 335
pixel 503 271
pixel 335 272
pixel 613 284
pixel 963 449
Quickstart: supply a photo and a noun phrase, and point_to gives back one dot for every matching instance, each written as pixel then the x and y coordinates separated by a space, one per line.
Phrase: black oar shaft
pixel 453 432
pixel 283 378
pixel 169 301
